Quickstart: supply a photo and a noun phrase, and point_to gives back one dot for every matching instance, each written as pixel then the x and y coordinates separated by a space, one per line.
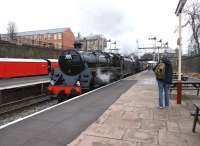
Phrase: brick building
pixel 57 38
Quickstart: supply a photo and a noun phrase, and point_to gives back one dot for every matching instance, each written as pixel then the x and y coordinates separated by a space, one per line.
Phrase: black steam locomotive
pixel 81 70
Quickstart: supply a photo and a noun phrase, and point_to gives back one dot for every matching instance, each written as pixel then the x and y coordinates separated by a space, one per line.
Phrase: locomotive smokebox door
pixel 71 62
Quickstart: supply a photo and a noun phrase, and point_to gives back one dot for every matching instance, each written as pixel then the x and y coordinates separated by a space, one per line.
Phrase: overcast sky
pixel 125 21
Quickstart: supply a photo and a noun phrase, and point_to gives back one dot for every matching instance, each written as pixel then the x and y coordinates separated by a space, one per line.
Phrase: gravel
pixel 9 117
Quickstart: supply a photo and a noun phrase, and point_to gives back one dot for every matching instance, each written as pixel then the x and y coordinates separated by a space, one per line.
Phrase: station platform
pixel 124 113
pixel 60 124
pixel 135 120
pixel 23 81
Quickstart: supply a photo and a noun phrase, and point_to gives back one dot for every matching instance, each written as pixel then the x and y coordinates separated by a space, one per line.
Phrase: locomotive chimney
pixel 77 45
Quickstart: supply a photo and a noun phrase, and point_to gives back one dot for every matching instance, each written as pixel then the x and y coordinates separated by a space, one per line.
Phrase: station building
pixel 92 42
pixel 59 38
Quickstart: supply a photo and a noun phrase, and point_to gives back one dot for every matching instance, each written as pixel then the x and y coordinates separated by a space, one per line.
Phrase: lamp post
pixel 179 84
pixel 154 38
pixel 165 46
pixel 160 41
pixel 108 41
pixel 86 46
pixel 115 43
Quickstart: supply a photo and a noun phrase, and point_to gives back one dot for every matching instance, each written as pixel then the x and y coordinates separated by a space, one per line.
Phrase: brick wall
pixel 25 51
pixel 191 64
pixel 68 39
pixel 57 38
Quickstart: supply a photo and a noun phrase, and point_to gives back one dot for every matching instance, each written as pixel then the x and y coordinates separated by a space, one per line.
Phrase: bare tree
pixel 11 31
pixel 192 13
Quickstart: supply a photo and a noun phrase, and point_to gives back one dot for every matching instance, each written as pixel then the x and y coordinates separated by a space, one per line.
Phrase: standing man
pixel 163 72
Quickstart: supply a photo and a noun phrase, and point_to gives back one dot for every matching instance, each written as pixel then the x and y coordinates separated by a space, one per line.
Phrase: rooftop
pixel 56 30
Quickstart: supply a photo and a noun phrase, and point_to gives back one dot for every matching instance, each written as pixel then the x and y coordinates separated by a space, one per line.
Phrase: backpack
pixel 160 71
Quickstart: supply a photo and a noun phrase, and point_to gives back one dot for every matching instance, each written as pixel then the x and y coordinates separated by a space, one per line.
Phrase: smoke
pixel 103 77
pixel 107 18
pixel 108 21
pixel 127 44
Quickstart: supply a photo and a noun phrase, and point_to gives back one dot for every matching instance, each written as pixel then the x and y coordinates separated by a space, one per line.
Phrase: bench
pixel 187 85
pixel 183 77
pixel 196 115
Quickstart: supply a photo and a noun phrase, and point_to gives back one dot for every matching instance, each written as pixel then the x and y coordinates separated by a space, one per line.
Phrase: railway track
pixel 25 102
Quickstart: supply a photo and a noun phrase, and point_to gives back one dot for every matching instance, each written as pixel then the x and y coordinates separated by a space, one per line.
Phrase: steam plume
pixel 103 77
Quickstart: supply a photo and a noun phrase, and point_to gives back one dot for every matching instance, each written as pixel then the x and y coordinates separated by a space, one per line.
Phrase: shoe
pixel 160 107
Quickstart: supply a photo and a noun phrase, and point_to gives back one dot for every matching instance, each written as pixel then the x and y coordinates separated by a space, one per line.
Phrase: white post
pixel 159 49
pixel 158 55
pixel 156 51
pixel 179 83
pixel 102 43
pixel 180 49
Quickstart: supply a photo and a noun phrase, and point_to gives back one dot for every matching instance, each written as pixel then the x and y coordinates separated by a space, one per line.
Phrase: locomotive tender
pixel 81 70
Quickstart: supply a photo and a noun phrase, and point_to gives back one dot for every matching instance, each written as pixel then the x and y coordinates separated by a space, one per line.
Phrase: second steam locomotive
pixel 80 70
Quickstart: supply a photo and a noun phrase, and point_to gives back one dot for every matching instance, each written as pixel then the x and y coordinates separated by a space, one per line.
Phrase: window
pixel 55 45
pixel 55 36
pixel 59 45
pixel 45 36
pixel 41 37
pixel 49 36
pixel 59 36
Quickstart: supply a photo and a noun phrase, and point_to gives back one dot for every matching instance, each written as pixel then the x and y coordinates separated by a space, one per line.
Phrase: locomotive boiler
pixel 85 70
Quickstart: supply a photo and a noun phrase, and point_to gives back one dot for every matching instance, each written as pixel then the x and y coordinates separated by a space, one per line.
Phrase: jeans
pixel 163 94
